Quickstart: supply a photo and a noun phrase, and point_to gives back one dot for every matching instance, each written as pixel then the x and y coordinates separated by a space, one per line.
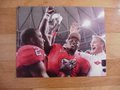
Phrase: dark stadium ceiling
pixel 90 19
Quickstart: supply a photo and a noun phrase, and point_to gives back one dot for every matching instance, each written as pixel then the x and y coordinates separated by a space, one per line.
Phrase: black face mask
pixel 67 66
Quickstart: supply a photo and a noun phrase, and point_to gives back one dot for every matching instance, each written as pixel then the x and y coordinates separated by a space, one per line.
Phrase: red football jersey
pixel 29 54
pixel 82 67
pixel 55 56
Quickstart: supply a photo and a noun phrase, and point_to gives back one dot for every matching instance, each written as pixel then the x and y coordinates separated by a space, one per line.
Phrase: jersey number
pixel 37 51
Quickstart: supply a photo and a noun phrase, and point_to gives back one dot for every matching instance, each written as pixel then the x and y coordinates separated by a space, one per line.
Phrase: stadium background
pixel 30 17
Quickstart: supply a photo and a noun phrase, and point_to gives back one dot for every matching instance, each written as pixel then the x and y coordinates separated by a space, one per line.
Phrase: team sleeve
pixel 38 54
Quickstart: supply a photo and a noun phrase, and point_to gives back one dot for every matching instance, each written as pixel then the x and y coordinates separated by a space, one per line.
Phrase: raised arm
pixel 56 19
pixel 44 27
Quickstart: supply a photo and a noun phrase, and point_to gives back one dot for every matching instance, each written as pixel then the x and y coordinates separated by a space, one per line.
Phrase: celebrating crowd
pixel 40 56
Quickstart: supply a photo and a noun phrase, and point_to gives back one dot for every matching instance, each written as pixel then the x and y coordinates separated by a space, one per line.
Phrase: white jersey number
pixel 37 51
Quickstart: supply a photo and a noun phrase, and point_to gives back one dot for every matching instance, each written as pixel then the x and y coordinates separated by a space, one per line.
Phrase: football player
pixel 75 65
pixel 62 60
pixel 30 55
